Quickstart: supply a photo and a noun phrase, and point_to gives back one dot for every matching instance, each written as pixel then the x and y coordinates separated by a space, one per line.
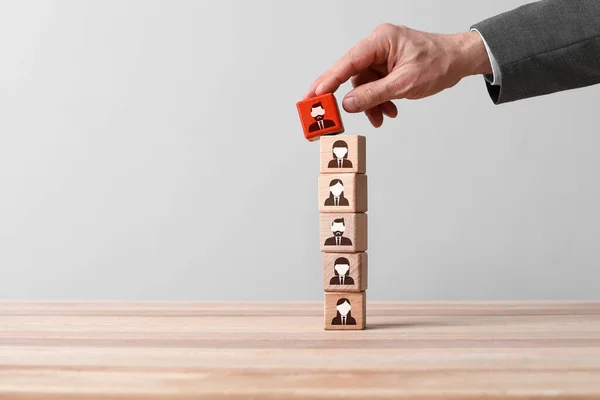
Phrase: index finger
pixel 354 61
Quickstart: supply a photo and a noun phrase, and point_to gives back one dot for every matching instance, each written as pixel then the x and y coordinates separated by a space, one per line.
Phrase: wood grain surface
pixel 463 350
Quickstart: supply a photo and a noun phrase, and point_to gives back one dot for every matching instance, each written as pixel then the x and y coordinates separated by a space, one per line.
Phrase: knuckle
pixel 373 96
pixel 386 29
pixel 398 87
pixel 352 56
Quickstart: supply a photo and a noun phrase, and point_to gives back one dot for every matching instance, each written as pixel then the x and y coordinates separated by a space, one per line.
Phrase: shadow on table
pixel 404 325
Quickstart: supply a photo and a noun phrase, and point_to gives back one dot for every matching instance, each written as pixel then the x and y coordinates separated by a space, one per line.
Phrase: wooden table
pixel 109 350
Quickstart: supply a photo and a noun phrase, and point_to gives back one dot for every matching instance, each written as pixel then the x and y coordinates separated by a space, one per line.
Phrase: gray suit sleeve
pixel 544 47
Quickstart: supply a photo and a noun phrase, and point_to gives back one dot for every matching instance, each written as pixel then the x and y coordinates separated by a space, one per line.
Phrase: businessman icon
pixel 338 227
pixel 318 113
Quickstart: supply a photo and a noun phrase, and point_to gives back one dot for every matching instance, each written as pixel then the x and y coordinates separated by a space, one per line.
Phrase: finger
pixel 365 76
pixel 372 94
pixel 374 114
pixel 389 109
pixel 375 117
pixel 365 53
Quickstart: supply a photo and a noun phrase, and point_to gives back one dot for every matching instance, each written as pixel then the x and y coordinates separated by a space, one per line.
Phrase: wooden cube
pixel 342 193
pixel 343 233
pixel 320 116
pixel 343 154
pixel 345 311
pixel 344 272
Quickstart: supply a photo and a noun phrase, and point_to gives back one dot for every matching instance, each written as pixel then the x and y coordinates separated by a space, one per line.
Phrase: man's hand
pixel 395 62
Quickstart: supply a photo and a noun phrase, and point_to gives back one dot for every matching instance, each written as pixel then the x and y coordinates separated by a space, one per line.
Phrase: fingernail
pixel 351 104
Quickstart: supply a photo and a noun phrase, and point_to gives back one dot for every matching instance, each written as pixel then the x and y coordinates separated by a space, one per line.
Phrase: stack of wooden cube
pixel 342 207
pixel 343 226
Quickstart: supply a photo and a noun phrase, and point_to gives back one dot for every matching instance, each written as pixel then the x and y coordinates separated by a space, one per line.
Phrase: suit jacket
pixel 544 47
pixel 330 201
pixel 338 320
pixel 336 280
pixel 332 242
pixel 327 123
pixel 334 163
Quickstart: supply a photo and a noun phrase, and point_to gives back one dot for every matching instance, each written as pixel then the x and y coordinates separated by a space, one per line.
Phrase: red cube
pixel 320 116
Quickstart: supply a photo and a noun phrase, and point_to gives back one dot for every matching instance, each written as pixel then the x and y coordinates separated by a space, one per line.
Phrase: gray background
pixel 152 150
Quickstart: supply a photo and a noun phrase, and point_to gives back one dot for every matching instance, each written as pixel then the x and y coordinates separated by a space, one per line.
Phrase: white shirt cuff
pixel 496 78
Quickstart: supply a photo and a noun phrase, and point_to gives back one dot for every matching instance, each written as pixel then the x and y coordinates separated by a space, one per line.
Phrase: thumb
pixel 369 95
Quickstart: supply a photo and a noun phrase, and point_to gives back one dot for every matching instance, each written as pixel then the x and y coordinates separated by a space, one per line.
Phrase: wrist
pixel 470 54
